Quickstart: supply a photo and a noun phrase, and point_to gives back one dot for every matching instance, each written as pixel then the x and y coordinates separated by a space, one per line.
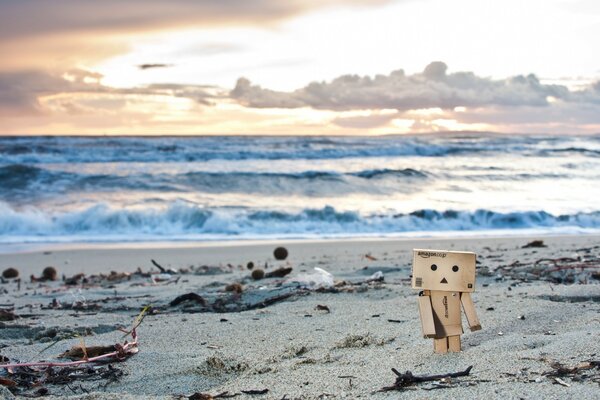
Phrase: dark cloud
pixel 20 18
pixel 433 87
pixel 152 66
pixel 19 91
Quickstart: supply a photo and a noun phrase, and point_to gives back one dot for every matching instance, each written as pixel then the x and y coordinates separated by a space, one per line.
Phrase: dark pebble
pixel 49 274
pixel 250 265
pixel 280 253
pixel 10 273
pixel 258 274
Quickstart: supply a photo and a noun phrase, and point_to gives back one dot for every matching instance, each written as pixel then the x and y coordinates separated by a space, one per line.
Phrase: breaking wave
pixel 181 221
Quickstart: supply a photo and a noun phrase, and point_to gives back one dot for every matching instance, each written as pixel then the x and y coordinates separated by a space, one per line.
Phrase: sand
pixel 290 347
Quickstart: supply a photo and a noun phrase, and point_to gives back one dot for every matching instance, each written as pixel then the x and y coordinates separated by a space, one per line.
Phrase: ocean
pixel 143 189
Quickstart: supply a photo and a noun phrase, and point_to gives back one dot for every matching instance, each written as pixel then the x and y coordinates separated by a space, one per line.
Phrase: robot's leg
pixel 440 345
pixel 454 343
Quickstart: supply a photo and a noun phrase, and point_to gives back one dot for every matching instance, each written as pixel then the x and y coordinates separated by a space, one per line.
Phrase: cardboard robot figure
pixel 446 280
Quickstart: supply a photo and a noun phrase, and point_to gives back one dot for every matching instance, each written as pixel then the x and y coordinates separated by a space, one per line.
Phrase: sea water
pixel 115 189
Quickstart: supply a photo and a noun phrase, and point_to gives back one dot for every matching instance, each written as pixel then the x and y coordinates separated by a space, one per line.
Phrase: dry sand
pixel 296 351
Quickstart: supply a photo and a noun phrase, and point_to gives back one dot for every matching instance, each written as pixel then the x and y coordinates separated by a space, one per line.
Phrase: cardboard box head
pixel 452 271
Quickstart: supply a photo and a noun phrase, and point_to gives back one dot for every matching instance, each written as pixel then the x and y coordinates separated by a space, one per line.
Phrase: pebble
pixel 10 273
pixel 280 253
pixel 258 274
pixel 49 274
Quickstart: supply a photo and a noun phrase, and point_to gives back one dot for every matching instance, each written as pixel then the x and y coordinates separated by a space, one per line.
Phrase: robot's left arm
pixel 469 307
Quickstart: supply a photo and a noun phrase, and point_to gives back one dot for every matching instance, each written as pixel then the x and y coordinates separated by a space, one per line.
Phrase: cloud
pixel 152 66
pixel 433 87
pixel 42 17
pixel 430 100
pixel 20 92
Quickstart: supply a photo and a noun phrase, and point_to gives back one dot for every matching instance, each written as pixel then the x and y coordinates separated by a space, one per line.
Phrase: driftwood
pixel 160 267
pixel 408 379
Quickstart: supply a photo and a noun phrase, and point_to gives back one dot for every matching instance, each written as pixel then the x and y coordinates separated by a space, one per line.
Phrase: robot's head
pixel 443 270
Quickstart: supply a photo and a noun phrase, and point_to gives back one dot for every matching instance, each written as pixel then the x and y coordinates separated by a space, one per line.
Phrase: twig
pixel 157 265
pixel 121 352
pixel 408 379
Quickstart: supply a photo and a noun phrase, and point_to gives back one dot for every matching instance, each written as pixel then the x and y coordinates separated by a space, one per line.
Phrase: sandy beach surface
pixel 297 336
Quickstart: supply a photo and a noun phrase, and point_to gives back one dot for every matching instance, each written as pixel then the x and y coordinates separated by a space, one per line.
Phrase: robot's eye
pixel 455 268
pixel 433 267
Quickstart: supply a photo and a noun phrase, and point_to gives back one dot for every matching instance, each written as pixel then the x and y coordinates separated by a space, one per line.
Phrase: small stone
pixel 250 265
pixel 10 273
pixel 258 274
pixel 280 253
pixel 534 243
pixel 521 317
pixel 49 274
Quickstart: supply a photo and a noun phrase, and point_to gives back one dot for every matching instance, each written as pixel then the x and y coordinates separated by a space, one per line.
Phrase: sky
pixel 313 67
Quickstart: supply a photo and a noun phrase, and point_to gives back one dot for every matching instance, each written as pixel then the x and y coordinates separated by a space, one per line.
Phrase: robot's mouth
pixel 444 281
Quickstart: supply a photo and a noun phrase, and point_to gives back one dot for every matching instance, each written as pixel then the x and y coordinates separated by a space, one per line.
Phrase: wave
pixel 181 221
pixel 36 150
pixel 27 180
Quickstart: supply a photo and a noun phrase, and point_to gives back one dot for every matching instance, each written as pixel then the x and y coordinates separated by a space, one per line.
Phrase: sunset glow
pixel 307 68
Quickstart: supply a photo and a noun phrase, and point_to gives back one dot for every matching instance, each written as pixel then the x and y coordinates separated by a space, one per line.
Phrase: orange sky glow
pixel 331 67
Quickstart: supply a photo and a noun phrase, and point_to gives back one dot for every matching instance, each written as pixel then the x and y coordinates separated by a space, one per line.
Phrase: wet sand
pixel 299 341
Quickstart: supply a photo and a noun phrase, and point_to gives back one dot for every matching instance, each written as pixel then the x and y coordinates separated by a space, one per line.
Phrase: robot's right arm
pixel 426 314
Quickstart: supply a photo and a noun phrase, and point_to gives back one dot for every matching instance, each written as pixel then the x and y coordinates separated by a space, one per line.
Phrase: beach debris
pixel 160 267
pixel 34 375
pixel 7 315
pixel 82 352
pixel 74 280
pixel 234 287
pixel 561 382
pixel 250 265
pixel 279 272
pixel 163 269
pixel 188 297
pixel 255 391
pixel 404 380
pixel 49 274
pixel 376 277
pixel 10 273
pixel 368 256
pixel 258 274
pixel 322 307
pixel 280 253
pixel 534 244
pixel 586 370
pixel 318 279
pixel 211 270
pixel 564 270
pixel 226 395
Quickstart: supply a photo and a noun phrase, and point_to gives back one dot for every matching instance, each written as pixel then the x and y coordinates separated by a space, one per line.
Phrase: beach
pixel 295 336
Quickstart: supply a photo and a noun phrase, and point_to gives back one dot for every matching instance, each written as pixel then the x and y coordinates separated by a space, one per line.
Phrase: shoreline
pixel 32 247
